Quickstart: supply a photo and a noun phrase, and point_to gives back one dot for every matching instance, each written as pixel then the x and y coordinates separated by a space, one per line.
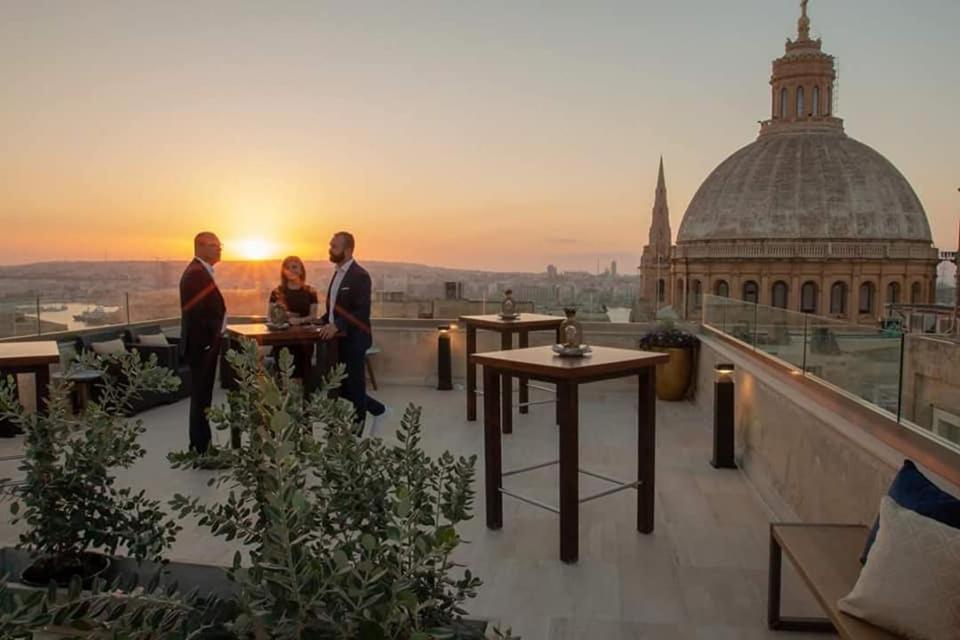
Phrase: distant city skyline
pixel 494 136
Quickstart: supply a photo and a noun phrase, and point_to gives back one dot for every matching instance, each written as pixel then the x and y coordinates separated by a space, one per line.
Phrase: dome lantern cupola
pixel 802 84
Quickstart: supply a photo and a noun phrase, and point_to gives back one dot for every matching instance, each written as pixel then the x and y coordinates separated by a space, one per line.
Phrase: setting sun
pixel 253 249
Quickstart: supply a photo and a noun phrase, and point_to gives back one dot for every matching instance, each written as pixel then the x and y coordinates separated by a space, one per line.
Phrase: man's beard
pixel 336 258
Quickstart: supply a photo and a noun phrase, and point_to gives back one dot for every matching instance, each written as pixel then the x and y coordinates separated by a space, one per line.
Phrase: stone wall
pixel 805 461
pixel 931 378
pixel 408 348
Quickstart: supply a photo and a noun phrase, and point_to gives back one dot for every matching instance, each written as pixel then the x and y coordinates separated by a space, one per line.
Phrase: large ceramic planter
pixel 673 377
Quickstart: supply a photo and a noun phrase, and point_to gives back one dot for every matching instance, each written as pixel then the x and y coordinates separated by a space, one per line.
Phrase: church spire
pixel 660 220
pixel 655 261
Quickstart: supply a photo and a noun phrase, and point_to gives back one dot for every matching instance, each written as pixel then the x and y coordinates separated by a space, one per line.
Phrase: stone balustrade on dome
pixel 719 249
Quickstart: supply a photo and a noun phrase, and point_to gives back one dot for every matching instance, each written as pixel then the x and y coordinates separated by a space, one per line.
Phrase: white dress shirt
pixel 338 277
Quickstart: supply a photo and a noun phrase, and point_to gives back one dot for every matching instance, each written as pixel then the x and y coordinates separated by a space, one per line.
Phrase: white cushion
pixel 110 347
pixel 911 582
pixel 153 340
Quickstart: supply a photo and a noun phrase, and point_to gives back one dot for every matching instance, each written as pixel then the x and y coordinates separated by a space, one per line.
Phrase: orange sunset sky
pixel 482 135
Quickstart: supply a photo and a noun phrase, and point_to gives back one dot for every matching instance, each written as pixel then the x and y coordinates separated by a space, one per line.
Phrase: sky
pixel 490 135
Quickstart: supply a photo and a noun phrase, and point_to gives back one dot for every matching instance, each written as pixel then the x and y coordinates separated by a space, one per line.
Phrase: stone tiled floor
pixel 700 575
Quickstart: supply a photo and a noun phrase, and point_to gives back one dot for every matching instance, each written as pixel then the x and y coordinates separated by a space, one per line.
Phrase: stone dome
pixel 805 185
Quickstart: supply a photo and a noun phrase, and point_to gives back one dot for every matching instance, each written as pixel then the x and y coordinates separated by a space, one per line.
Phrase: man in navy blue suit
pixel 348 314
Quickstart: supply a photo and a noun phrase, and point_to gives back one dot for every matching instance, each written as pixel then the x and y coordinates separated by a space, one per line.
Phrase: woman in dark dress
pixel 300 301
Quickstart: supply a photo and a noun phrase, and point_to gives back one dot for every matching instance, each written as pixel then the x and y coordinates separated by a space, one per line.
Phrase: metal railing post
pixel 126 297
pixel 39 327
pixel 756 328
pixel 804 366
pixel 903 343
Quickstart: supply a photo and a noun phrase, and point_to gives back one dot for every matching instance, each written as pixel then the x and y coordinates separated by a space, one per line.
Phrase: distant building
pixel 551 272
pixel 613 268
pixel 453 290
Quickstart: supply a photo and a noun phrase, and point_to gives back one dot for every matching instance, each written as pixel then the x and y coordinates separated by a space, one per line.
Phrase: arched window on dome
pixel 751 292
pixel 800 111
pixel 916 293
pixel 808 297
pixel 893 293
pixel 779 294
pixel 722 289
pixel 816 101
pixel 867 294
pixel 784 101
pixel 838 298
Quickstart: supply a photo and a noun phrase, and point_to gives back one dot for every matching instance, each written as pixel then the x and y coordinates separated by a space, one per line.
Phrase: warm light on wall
pixel 724 372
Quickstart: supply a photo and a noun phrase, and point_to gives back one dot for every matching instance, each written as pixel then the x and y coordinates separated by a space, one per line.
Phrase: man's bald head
pixel 207 247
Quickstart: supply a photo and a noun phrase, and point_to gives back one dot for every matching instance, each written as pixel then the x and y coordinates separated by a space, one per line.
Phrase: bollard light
pixel 723 417
pixel 444 357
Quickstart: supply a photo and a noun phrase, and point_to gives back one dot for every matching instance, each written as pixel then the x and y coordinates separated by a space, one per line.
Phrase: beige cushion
pixel 153 340
pixel 110 347
pixel 911 582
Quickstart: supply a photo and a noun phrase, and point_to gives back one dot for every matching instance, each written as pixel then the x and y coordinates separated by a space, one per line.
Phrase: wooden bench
pixel 827 557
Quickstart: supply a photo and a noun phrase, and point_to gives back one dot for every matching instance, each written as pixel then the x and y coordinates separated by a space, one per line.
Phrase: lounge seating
pixel 827 557
pixel 167 356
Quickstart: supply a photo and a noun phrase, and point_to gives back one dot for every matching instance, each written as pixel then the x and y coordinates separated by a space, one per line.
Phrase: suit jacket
pixel 202 310
pixel 352 311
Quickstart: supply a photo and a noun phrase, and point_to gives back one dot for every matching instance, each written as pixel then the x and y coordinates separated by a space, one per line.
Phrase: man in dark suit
pixel 202 321
pixel 348 314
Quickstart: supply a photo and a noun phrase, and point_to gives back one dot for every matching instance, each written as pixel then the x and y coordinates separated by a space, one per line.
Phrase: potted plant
pixel 68 501
pixel 674 377
pixel 343 537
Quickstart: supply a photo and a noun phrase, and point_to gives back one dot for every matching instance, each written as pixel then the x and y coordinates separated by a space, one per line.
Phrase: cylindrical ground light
pixel 444 358
pixel 723 422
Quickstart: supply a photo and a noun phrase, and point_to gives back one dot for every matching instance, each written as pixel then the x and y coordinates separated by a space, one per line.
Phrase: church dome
pixel 804 178
pixel 805 184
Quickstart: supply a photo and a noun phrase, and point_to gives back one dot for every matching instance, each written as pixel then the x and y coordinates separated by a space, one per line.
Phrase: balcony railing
pixel 914 379
pixel 30 315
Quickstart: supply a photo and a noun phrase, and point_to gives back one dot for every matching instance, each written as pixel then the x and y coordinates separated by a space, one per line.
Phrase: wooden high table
pixel 295 335
pixel 30 358
pixel 522 326
pixel 541 363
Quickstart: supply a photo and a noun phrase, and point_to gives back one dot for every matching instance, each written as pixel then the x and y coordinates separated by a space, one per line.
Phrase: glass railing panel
pixel 160 304
pixel 860 359
pixel 930 400
pixel 780 333
pixel 83 311
pixel 19 316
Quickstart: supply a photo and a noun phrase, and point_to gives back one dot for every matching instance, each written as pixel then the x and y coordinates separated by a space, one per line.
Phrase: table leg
pixel 556 405
pixel 646 449
pixel 523 341
pixel 492 464
pixel 569 471
pixel 506 391
pixel 309 384
pixel 42 382
pixel 471 374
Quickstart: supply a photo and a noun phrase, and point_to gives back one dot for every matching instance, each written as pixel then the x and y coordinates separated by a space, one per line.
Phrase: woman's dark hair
pixel 283 270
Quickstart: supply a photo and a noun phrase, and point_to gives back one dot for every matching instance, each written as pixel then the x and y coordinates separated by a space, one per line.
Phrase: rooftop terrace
pixel 806 452
pixel 701 574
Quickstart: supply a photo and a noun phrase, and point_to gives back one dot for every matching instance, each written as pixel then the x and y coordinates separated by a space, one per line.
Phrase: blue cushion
pixel 912 490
